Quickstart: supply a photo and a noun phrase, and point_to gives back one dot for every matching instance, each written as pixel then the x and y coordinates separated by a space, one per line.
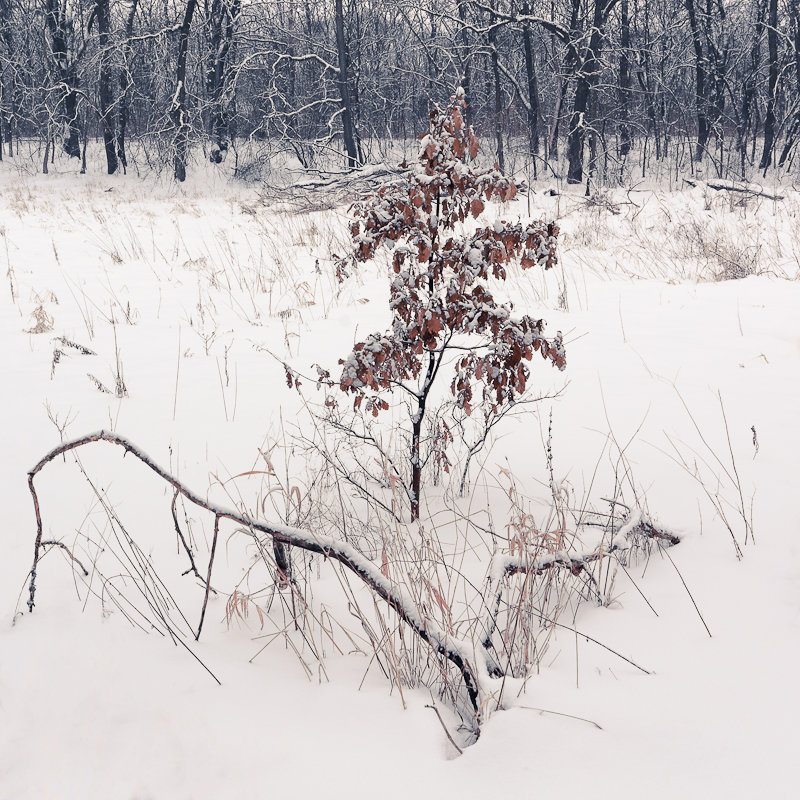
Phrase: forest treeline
pixel 576 86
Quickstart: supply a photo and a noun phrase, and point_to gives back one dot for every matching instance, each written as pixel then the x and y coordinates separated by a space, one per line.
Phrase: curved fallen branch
pixel 475 662
pixel 504 565
pixel 459 653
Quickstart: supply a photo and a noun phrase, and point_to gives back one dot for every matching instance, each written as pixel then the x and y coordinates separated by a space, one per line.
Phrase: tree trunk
pixel 5 36
pixel 56 23
pixel 72 142
pixel 125 86
pixel 10 116
pixel 466 78
pixel 498 98
pixel 701 101
pixel 588 75
pixel 106 92
pixel 769 121
pixel 3 115
pixel 533 89
pixel 221 21
pixel 348 122
pixel 416 460
pixel 791 137
pixel 749 87
pixel 624 82
pixel 9 108
pixel 569 68
pixel 180 116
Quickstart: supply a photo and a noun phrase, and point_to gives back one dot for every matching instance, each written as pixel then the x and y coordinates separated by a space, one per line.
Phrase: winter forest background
pixel 600 84
pixel 399 399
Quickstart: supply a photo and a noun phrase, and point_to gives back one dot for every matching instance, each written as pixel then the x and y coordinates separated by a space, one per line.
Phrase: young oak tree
pixel 440 302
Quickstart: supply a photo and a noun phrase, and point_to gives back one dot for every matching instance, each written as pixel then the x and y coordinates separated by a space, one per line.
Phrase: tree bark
pixel 56 23
pixel 221 21
pixel 106 92
pixel 533 89
pixel 498 98
pixel 348 115
pixel 5 36
pixel 434 359
pixel 10 90
pixel 749 87
pixel 624 81
pixel 466 72
pixel 180 115
pixel 588 75
pixel 701 100
pixel 769 120
pixel 791 137
pixel 125 86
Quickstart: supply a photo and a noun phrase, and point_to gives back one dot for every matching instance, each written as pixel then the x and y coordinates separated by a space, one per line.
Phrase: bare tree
pixel 65 55
pixel 101 13
pixel 345 89
pixel 178 109
pixel 624 80
pixel 532 108
pixel 8 78
pixel 318 78
pixel 221 18
pixel 794 128
pixel 772 47
pixel 587 78
pixel 125 85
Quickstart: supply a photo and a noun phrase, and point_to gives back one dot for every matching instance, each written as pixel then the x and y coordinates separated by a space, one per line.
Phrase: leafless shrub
pixel 720 253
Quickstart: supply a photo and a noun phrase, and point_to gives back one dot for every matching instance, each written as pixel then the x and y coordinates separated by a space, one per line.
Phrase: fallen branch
pixel 460 653
pixel 444 728
pixel 372 173
pixel 504 565
pixel 751 189
pixel 478 667
pixel 332 187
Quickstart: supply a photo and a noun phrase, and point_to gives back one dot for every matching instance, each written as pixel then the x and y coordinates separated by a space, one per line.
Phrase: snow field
pixel 181 291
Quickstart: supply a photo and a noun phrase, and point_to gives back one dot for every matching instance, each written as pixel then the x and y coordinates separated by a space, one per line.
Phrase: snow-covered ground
pixel 680 313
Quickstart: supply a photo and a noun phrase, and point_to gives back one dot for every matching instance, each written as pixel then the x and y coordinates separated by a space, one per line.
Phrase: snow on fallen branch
pixel 478 667
pixel 636 528
pixel 751 189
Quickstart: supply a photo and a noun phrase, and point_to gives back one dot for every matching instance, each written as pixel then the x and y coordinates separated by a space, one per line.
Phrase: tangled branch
pixel 475 662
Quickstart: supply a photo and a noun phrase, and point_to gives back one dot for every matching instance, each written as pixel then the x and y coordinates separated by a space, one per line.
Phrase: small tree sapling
pixel 440 302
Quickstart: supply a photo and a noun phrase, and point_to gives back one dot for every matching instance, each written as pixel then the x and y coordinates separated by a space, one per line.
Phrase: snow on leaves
pixel 438 291
pixel 439 297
